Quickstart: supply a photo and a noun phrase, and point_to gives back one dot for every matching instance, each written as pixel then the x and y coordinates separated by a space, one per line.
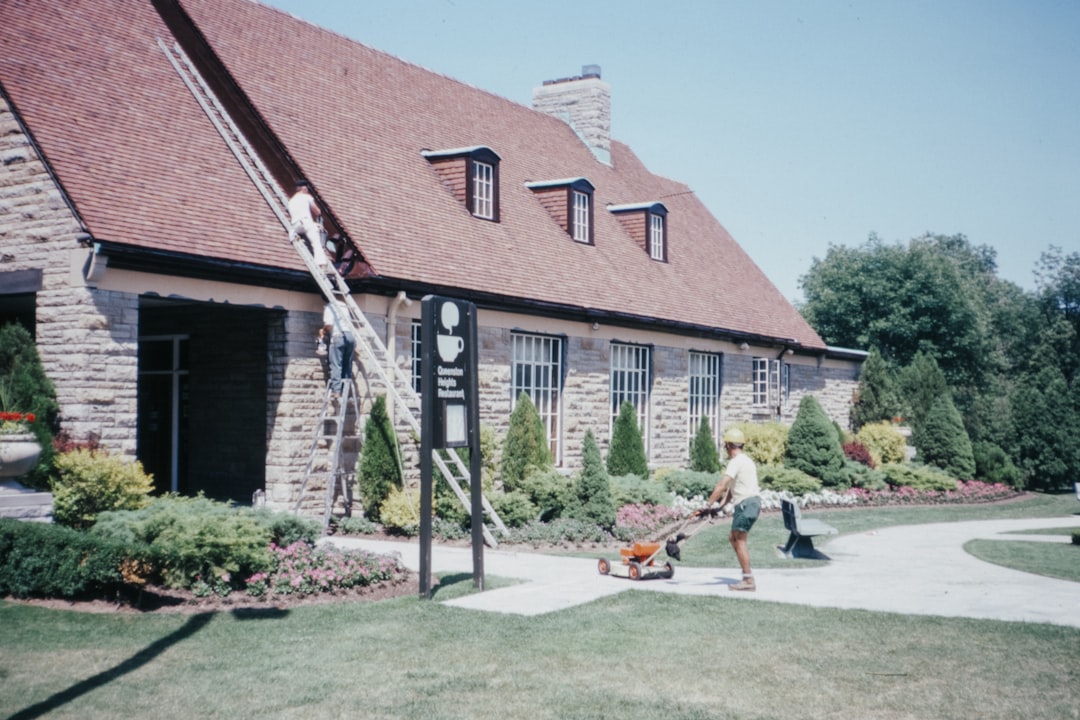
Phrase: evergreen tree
pixel 943 442
pixel 922 382
pixel 24 388
pixel 526 444
pixel 592 499
pixel 626 456
pixel 1046 413
pixel 876 398
pixel 703 454
pixel 379 470
pixel 813 445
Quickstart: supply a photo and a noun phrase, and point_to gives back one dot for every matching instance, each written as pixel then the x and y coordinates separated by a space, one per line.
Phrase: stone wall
pixel 87 339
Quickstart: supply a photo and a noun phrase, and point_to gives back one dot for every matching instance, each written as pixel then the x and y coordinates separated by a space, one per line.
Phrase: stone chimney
pixel 584 102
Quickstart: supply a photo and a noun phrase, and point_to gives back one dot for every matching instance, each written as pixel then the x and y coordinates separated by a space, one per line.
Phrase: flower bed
pixel 304 569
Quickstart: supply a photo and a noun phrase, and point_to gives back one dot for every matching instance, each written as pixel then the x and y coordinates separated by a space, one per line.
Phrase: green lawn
pixel 633 655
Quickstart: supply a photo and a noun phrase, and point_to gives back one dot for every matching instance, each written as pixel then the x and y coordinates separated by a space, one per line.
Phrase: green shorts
pixel 746 514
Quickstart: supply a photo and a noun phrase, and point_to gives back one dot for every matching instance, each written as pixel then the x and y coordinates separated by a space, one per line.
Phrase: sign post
pixel 449 415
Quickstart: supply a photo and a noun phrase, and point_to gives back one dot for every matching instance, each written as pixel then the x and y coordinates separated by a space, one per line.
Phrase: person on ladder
pixel 342 345
pixel 305 215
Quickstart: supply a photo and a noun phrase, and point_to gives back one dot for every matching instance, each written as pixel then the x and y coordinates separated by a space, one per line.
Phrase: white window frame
pixel 771 383
pixel 536 369
pixel 630 382
pixel 483 186
pixel 703 377
pixel 656 236
pixel 415 372
pixel 580 202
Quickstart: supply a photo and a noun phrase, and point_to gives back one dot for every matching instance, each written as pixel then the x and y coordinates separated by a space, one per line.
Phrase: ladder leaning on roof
pixel 371 352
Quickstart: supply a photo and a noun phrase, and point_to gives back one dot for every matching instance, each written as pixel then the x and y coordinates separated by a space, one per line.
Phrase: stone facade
pixel 256 385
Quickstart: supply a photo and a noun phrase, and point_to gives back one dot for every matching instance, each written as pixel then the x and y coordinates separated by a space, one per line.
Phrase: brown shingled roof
pixel 144 166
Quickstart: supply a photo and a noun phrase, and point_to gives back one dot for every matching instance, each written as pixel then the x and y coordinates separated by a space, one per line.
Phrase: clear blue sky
pixel 799 123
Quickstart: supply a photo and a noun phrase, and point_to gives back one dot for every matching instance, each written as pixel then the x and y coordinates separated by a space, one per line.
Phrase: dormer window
pixel 657 246
pixel 472 175
pixel 582 227
pixel 570 203
pixel 647 224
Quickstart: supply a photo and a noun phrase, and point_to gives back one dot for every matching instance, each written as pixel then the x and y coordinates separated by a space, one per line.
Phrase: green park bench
pixel 802 531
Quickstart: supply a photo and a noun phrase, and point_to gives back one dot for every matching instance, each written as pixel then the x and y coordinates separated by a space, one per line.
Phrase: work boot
pixel 747 584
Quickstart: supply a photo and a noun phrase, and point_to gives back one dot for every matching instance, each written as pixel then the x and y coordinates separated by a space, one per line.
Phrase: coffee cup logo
pixel 450 346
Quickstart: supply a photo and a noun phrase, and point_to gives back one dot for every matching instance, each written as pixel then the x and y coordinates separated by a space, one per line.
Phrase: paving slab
pixel 913 570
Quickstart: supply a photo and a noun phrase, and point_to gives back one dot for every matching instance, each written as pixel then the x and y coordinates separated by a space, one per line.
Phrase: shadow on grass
pixel 194 624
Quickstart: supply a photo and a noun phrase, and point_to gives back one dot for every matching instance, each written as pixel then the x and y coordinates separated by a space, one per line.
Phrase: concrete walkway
pixel 913 570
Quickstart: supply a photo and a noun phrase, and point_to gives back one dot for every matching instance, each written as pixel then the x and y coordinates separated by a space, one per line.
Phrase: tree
pixel 1045 412
pixel 703 454
pixel 380 470
pixel 592 500
pixel 626 456
pixel 925 296
pixel 921 383
pixel 877 397
pixel 1058 282
pixel 526 444
pixel 941 440
pixel 813 445
pixel 24 388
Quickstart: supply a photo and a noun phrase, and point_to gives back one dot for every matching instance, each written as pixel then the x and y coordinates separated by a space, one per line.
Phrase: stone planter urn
pixel 19 452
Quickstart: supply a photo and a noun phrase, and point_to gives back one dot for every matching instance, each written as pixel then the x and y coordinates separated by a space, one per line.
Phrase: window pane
pixel 704 377
pixel 656 237
pixel 416 358
pixel 483 190
pixel 581 217
pixel 536 370
pixel 630 383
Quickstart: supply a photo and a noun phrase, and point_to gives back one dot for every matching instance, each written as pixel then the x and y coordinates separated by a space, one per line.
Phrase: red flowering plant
pixel 14 423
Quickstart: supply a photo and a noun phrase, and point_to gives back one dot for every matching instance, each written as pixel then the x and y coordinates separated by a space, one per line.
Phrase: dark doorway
pixel 202 397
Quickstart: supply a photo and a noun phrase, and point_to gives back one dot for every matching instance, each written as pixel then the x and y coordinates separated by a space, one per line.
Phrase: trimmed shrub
pixel 591 500
pixel 353 526
pixel 994 466
pixel 549 491
pixel 564 531
pixel 627 452
pixel 379 469
pixel 690 484
pixel 90 482
pixel 813 445
pixel 704 456
pixel 921 383
pixel 766 443
pixel 786 479
pixel 885 443
pixel 918 477
pixel 877 396
pixel 856 451
pixel 400 511
pixel 632 489
pixel 42 560
pixel 942 441
pixel 526 444
pixel 286 528
pixel 514 508
pixel 867 478
pixel 195 542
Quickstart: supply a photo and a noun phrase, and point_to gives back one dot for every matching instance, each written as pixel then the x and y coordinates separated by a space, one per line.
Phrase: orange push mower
pixel 639 561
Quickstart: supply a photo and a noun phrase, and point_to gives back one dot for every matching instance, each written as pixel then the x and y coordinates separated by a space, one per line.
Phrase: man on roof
pixel 305 216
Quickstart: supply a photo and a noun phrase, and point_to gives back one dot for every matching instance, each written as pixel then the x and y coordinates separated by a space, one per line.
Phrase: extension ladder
pixel 371 353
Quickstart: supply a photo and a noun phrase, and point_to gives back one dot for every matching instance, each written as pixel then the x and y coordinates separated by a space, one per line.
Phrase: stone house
pixel 177 321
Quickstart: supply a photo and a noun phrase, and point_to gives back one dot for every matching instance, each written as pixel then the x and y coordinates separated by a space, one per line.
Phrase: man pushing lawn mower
pixel 740 479
pixel 739 485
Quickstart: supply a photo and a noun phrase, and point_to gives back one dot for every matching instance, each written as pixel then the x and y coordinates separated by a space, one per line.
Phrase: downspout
pixel 391 341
